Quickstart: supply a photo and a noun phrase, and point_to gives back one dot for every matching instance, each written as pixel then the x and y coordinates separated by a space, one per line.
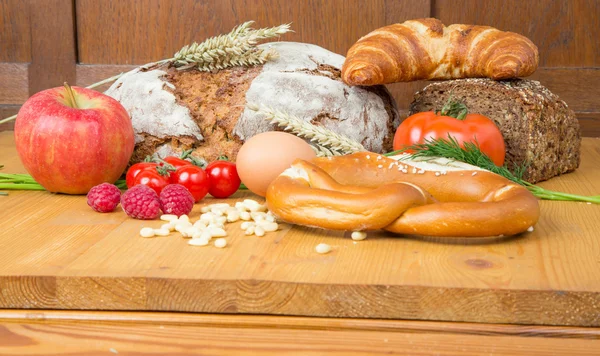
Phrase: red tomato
pixel 474 127
pixel 135 169
pixel 193 178
pixel 224 179
pixel 153 179
pixel 176 161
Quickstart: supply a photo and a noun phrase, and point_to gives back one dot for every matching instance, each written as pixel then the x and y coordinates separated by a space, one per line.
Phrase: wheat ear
pixel 237 48
pixel 322 137
pixel 322 151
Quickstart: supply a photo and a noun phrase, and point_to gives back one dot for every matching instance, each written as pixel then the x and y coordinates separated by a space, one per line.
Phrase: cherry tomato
pixel 135 169
pixel 153 179
pixel 177 162
pixel 224 179
pixel 473 128
pixel 193 178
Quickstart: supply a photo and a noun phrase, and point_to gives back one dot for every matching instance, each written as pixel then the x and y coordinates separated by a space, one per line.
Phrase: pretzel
pixel 364 191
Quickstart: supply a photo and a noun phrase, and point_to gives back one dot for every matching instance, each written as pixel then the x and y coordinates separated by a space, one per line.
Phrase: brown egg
pixel 266 155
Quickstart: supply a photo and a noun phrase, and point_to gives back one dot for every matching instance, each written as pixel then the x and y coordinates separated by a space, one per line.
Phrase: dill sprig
pixel 471 154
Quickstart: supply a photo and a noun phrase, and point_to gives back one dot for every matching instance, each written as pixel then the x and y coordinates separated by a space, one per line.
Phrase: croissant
pixel 425 49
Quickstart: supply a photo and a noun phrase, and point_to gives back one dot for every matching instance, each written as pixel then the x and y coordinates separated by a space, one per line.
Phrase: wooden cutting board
pixel 57 253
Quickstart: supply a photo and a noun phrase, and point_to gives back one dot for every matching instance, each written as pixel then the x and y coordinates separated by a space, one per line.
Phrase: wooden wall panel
pixel 15 44
pixel 148 30
pixel 566 32
pixel 53 44
pixel 83 41
pixel 6 111
pixel 14 89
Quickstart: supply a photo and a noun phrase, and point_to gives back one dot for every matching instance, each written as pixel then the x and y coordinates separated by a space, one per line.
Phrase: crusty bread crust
pixel 174 110
pixel 425 49
pixel 539 129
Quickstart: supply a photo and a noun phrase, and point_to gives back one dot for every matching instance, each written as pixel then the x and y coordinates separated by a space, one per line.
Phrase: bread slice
pixel 539 129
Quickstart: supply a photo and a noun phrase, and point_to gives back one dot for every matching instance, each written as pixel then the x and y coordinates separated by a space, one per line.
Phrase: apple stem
pixel 71 96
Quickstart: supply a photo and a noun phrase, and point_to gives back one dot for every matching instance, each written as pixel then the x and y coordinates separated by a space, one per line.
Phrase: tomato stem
pixel 455 109
pixel 186 154
pixel 165 169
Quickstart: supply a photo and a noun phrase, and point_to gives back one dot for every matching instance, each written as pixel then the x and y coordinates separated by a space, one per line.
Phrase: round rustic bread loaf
pixel 174 110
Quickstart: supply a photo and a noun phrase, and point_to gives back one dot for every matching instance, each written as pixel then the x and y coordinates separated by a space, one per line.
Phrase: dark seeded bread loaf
pixel 537 126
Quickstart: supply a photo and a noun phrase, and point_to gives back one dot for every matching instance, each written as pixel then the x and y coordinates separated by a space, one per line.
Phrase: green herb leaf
pixel 471 154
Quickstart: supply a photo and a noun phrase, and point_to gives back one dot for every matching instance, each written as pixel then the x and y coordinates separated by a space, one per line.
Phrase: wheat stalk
pixel 322 151
pixel 324 138
pixel 236 48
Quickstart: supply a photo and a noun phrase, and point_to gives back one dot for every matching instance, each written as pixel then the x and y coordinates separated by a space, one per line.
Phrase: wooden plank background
pixel 44 43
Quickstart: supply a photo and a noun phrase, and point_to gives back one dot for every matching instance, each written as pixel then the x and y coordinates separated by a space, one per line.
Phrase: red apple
pixel 71 139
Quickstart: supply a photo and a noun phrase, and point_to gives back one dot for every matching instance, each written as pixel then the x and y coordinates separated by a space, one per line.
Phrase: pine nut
pixel 220 205
pixel 215 225
pixel 147 232
pixel 358 235
pixel 244 215
pixel 198 242
pixel 217 211
pixel 184 218
pixel 168 217
pixel 206 235
pixel 200 224
pixel 246 224
pixel 169 226
pixel 181 226
pixel 268 226
pixel 190 231
pixel 162 232
pixel 233 216
pixel 323 248
pixel 205 209
pixel 253 205
pixel 217 232
pixel 220 243
pixel 207 217
pixel 249 230
pixel 259 231
pixel 258 216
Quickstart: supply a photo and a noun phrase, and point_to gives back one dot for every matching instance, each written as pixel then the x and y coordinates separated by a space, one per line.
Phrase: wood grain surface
pixel 15 88
pixel 96 333
pixel 15 37
pixel 53 44
pixel 60 254
pixel 565 32
pixel 6 111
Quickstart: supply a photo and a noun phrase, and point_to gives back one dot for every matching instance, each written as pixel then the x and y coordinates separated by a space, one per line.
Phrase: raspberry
pixel 104 197
pixel 176 199
pixel 141 202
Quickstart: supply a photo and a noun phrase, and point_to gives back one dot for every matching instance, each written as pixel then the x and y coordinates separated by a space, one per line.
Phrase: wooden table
pixel 79 282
